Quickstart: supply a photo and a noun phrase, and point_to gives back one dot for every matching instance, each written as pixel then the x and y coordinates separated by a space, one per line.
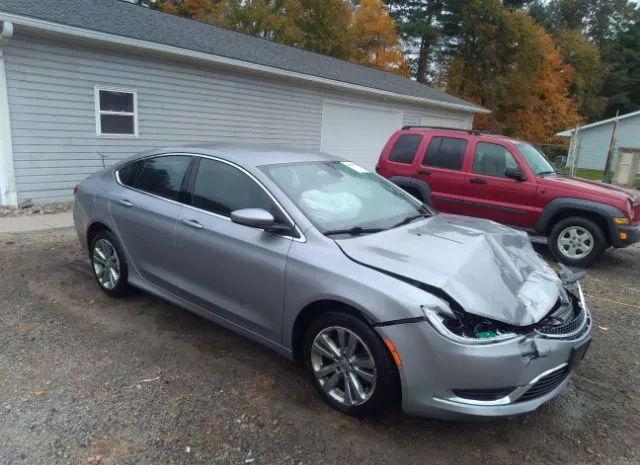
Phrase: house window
pixel 116 112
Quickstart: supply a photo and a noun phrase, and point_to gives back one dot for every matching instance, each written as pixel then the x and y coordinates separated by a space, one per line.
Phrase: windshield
pixel 342 195
pixel 536 160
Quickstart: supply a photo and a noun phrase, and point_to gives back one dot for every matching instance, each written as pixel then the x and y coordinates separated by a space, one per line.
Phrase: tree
pixel 537 103
pixel 584 58
pixel 317 25
pixel 326 27
pixel 608 18
pixel 509 64
pixel 622 84
pixel 375 38
pixel 599 20
pixel 416 22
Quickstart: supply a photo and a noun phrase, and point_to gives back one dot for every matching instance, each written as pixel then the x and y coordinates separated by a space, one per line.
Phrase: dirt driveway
pixel 87 379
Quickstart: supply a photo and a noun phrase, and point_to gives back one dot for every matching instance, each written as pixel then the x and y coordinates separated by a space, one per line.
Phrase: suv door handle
pixel 125 203
pixel 478 181
pixel 192 224
pixel 425 172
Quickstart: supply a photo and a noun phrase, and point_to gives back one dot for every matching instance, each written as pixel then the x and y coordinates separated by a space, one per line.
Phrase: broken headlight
pixel 469 329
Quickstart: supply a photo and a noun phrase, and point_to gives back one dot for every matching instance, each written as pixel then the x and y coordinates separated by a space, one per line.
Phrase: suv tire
pixel 577 241
pixel 364 356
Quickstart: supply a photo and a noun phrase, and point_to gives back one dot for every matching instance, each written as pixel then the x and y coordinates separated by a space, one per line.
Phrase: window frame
pixel 464 153
pixel 507 149
pixel 98 112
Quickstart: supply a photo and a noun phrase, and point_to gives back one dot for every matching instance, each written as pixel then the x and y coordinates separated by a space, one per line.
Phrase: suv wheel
pixel 349 365
pixel 577 241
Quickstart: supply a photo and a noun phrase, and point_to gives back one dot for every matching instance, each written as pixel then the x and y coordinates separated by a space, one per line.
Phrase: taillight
pixel 75 189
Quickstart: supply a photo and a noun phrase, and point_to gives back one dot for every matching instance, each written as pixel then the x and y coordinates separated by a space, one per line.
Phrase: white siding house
pixel 87 82
pixel 594 140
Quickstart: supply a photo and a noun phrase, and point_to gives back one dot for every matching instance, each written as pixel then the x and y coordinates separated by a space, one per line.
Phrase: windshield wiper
pixel 544 173
pixel 409 219
pixel 355 231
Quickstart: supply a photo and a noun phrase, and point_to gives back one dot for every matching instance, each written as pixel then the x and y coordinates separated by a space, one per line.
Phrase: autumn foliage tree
pixel 376 41
pixel 331 27
pixel 509 64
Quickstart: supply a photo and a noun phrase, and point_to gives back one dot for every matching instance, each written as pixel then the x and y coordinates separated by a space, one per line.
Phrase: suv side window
pixel 445 152
pixel 492 159
pixel 221 188
pixel 160 175
pixel 405 148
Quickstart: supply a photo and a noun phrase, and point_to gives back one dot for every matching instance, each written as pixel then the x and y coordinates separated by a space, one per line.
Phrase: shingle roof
pixel 136 22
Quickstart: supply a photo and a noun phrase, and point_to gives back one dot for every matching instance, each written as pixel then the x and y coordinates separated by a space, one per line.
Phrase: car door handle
pixel 477 181
pixel 125 203
pixel 192 224
pixel 424 172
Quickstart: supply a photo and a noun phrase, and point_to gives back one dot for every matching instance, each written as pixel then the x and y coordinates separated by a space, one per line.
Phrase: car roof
pixel 455 132
pixel 247 154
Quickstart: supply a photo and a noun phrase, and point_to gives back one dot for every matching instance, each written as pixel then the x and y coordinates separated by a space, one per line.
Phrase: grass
pixel 584 173
pixel 591 175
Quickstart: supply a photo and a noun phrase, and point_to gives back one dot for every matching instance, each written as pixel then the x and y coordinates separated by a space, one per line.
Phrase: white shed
pixel 84 82
pixel 594 139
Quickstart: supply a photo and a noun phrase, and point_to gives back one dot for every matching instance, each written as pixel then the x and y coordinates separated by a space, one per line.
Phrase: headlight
pixel 629 210
pixel 469 329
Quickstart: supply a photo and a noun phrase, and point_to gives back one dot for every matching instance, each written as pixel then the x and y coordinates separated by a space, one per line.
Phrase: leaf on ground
pixel 38 393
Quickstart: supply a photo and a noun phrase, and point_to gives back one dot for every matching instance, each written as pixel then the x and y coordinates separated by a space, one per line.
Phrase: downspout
pixel 8 194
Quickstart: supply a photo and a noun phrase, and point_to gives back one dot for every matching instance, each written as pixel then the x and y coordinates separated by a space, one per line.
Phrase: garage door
pixel 357 133
pixel 443 121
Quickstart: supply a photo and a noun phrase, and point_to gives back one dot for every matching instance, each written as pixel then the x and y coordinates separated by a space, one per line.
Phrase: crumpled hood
pixel 489 269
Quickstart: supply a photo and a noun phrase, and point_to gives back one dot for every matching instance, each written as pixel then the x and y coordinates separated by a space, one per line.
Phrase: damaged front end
pixel 569 318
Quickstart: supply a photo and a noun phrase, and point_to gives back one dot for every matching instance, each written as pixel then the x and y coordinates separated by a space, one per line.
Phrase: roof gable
pixel 132 21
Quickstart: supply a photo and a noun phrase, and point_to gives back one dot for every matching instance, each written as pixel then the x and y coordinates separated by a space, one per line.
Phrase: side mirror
pixel 257 218
pixel 515 173
pixel 254 217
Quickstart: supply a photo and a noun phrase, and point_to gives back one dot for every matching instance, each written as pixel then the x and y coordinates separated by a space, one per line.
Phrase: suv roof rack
pixel 468 131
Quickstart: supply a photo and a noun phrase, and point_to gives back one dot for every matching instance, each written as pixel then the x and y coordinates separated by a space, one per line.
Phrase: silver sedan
pixel 381 299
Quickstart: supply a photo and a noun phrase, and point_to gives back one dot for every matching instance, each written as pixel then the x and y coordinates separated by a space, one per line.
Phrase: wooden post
pixel 606 177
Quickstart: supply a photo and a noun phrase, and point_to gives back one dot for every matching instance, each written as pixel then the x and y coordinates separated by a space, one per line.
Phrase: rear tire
pixel 349 365
pixel 109 265
pixel 577 241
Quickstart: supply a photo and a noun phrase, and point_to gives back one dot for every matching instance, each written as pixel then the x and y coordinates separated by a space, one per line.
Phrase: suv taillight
pixel 75 189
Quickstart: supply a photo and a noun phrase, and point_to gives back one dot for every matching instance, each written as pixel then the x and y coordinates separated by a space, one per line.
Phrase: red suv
pixel 509 181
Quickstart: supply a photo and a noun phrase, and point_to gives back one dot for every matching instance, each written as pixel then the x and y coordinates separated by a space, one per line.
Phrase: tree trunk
pixel 423 60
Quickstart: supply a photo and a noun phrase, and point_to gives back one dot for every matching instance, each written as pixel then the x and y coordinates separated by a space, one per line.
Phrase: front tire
pixel 349 365
pixel 109 265
pixel 577 241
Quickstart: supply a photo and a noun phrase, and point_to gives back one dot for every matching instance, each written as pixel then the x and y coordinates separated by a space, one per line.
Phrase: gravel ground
pixel 88 379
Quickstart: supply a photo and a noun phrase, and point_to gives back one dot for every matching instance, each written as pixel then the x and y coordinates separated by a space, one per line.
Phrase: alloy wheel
pixel 575 242
pixel 106 264
pixel 343 366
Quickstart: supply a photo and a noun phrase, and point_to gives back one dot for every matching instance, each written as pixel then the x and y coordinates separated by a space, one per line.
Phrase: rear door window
pixel 160 176
pixel 405 148
pixel 445 152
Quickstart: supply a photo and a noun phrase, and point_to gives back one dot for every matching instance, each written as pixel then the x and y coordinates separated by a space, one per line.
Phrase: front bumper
pixel 444 379
pixel 626 235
